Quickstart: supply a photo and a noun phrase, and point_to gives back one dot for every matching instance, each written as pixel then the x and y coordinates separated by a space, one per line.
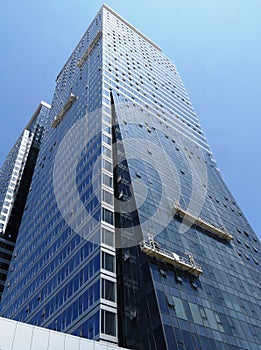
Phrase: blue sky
pixel 215 45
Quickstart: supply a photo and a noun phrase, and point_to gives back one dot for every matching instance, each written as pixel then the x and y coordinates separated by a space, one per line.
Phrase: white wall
pixel 20 336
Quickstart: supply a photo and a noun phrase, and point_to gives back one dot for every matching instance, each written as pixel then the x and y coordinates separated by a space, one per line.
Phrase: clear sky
pixel 216 46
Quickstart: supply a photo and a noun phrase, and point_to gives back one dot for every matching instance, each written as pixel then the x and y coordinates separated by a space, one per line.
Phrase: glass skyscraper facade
pixel 15 178
pixel 129 233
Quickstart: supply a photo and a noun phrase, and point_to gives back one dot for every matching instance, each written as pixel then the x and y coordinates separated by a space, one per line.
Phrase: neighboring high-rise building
pixel 15 178
pixel 129 234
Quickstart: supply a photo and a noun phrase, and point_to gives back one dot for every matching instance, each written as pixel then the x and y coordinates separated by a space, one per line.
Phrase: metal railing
pixel 152 248
pixel 220 232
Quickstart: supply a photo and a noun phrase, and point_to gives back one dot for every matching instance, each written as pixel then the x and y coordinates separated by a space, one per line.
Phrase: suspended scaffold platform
pixel 152 248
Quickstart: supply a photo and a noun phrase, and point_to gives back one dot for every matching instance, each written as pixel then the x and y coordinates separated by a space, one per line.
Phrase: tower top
pixel 42 104
pixel 104 6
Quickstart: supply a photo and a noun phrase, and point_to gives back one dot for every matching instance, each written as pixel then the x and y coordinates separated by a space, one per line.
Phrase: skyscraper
pixel 129 233
pixel 15 178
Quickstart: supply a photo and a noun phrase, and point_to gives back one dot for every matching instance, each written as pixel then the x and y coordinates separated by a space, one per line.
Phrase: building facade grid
pixel 122 131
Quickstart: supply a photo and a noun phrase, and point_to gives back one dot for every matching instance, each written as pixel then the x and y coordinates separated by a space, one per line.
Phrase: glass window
pixel 204 316
pixel 106 151
pixel 107 165
pixel 106 139
pixel 96 323
pixel 107 216
pixel 195 313
pixel 108 262
pixel 179 308
pixel 96 291
pixel 106 109
pixel 106 118
pixel 108 324
pixel 108 290
pixel 162 301
pixel 108 237
pixel 169 332
pixel 107 197
pixel 211 318
pixel 107 180
pixel 106 128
